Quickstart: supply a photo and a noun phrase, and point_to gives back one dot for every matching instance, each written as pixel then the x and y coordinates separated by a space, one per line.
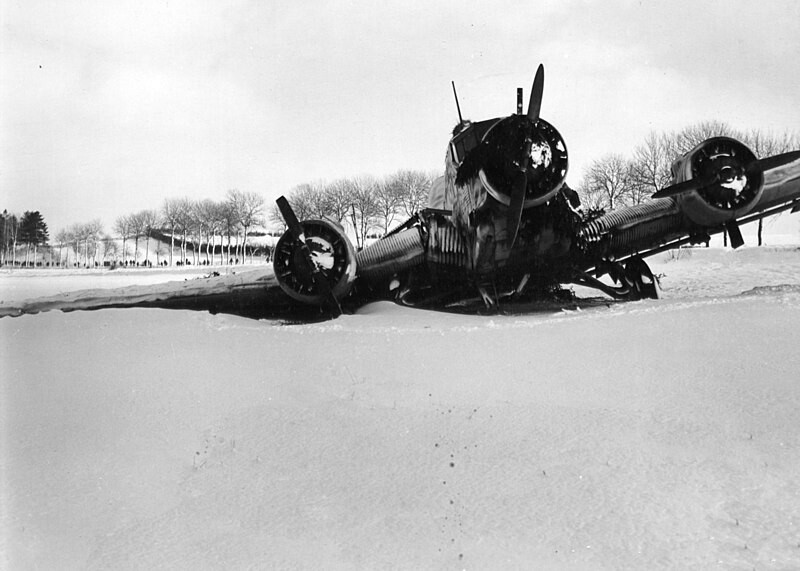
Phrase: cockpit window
pixel 468 138
pixel 463 143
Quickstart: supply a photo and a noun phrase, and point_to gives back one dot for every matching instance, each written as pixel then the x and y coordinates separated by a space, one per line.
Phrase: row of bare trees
pixel 137 225
pixel 87 242
pixel 201 224
pixel 367 205
pixel 198 223
pixel 615 180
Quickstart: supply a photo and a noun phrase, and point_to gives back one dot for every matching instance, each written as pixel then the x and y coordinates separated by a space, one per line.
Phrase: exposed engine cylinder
pixel 393 254
pixel 331 252
pixel 730 182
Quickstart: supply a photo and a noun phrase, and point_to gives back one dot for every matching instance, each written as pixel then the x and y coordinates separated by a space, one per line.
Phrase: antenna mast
pixel 460 119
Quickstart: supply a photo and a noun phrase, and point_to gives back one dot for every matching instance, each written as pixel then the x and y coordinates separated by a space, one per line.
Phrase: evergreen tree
pixel 33 232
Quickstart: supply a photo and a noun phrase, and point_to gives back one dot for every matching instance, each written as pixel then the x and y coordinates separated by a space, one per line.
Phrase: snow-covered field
pixel 21 284
pixel 646 435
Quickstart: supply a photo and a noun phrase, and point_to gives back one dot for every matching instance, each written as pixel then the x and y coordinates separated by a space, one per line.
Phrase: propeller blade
pixel 777 161
pixel 535 104
pixel 734 234
pixel 681 187
pixel 515 206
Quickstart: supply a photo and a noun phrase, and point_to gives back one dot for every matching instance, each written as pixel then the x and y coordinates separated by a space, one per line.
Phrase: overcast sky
pixel 108 107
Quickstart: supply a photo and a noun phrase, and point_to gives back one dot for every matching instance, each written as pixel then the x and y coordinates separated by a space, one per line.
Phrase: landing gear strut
pixel 634 278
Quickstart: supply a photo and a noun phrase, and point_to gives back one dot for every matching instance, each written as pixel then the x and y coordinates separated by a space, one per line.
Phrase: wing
pixel 717 186
pixel 254 293
pixel 313 270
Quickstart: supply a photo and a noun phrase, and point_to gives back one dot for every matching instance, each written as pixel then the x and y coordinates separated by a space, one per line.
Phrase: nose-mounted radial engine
pixel 503 178
pixel 507 165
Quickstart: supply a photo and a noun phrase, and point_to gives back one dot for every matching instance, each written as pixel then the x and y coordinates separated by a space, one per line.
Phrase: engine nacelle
pixel 331 252
pixel 729 181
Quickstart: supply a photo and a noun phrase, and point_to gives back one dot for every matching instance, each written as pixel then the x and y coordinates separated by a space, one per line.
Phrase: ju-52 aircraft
pixel 500 227
pixel 501 224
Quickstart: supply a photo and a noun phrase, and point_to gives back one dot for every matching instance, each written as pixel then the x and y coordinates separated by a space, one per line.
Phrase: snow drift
pixel 654 434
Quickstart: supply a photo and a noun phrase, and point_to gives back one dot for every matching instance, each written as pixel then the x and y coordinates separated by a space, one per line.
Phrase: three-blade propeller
pixel 520 184
pixel 703 182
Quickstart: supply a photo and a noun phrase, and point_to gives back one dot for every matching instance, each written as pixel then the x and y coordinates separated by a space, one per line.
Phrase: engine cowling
pixel 331 252
pixel 729 181
pixel 547 161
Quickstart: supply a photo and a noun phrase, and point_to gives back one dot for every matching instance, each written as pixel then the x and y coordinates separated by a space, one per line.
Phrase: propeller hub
pixel 727 174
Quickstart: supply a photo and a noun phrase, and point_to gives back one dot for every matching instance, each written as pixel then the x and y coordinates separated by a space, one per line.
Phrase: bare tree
pixel 81 236
pixel 302 200
pixel 607 183
pixel 122 227
pixel 13 227
pixel 363 208
pixel 691 136
pixel 387 202
pixel 61 237
pixel 413 188
pixel 137 230
pixel 651 166
pixel 89 234
pixel 170 215
pixel 149 221
pixel 95 229
pixel 110 247
pixel 209 222
pixel 195 231
pixel 201 222
pixel 220 223
pixel 316 200
pixel 309 201
pixel 160 249
pixel 73 238
pixel 229 221
pixel 175 212
pixel 185 221
pixel 10 236
pixel 249 209
pixel 338 200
